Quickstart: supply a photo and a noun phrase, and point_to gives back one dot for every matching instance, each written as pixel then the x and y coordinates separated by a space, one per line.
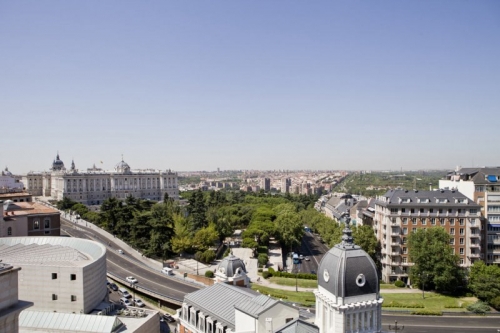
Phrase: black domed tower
pixel 348 298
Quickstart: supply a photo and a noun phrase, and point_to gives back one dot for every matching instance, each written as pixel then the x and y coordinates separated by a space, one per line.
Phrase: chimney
pixel 269 325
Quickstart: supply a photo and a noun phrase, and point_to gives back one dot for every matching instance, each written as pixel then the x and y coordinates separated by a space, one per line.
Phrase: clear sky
pixel 196 85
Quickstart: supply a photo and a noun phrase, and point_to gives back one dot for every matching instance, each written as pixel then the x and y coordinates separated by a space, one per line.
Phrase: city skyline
pixel 241 86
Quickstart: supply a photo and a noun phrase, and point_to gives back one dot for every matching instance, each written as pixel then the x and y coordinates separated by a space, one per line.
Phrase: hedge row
pixel 401 305
pixel 304 276
pixel 426 313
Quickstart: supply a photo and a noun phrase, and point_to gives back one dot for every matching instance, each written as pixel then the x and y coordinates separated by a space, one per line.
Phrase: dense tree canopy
pixel 484 281
pixel 435 265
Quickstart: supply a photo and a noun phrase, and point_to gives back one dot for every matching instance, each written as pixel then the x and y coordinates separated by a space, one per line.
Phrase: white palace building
pixel 95 185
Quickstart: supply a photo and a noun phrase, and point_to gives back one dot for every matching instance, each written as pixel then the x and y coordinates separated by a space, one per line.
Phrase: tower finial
pixel 347 239
pixel 122 157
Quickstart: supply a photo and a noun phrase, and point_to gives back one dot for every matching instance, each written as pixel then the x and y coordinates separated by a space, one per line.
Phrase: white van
pixel 168 271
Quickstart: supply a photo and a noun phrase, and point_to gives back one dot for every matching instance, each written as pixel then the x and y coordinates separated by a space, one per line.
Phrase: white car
pixel 120 252
pixel 131 279
pixel 138 302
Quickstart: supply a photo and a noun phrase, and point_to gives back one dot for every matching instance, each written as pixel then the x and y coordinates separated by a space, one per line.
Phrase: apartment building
pixel 483 186
pixel 399 212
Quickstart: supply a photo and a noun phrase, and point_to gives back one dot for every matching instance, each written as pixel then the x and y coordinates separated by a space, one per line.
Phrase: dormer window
pixel 423 200
pixel 404 200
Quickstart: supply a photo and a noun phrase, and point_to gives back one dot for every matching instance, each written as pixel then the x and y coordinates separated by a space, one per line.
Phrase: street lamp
pixel 395 327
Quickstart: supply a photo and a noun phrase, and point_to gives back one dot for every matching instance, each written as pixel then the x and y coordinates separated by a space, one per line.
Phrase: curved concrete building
pixel 59 274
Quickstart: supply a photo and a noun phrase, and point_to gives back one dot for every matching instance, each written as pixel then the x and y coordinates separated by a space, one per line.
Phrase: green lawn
pixel 432 301
pixel 291 282
pixel 302 297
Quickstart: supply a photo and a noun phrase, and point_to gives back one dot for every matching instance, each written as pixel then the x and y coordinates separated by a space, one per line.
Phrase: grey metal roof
pixel 67 322
pixel 477 175
pixel 298 326
pixel 230 264
pixel 218 301
pixel 257 305
pixel 392 198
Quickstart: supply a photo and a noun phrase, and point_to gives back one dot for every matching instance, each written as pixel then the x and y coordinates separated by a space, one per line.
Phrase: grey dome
pixel 122 167
pixel 230 264
pixel 7 172
pixel 347 271
pixel 57 164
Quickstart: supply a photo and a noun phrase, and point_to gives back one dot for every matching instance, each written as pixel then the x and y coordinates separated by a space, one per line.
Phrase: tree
pixel 197 211
pixel 205 238
pixel 182 241
pixel 484 281
pixel 290 229
pixel 434 261
pixel 364 236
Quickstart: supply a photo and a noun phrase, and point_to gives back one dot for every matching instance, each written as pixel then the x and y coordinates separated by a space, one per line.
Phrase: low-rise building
pixel 19 219
pixel 10 305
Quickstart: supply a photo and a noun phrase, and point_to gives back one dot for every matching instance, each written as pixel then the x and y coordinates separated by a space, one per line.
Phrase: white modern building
pixel 8 182
pixel 58 274
pixel 483 186
pixel 93 186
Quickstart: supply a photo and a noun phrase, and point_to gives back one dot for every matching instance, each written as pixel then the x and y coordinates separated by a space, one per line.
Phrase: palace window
pixel 46 223
pixel 36 224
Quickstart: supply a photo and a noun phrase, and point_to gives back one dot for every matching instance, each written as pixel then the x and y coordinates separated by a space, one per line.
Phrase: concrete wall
pixel 279 313
pixel 243 322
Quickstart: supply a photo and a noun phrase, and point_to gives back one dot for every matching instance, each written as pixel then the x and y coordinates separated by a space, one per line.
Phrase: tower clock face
pixel 326 275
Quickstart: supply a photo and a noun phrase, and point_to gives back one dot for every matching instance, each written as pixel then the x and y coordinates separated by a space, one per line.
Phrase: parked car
pixel 168 318
pixel 131 279
pixel 120 251
pixel 138 302
pixel 307 258
pixel 301 257
pixel 113 287
pixel 125 301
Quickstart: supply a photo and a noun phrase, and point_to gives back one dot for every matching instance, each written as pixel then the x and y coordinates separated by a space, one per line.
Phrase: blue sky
pixel 196 85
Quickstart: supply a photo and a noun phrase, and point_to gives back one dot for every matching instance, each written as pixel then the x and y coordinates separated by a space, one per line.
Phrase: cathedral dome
pixel 57 164
pixel 7 172
pixel 231 266
pixel 347 270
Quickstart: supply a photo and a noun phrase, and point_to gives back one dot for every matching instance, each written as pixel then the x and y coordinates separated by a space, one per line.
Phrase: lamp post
pixel 395 327
pixel 423 276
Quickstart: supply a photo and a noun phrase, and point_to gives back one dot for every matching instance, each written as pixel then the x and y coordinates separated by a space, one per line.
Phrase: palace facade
pixel 95 185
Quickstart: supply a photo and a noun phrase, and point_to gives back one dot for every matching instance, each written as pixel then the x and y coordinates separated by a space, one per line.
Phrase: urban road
pixel 123 266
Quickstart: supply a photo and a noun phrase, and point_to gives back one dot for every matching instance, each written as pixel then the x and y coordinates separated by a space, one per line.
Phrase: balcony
pixel 395 234
pixel 475 245
pixel 395 253
pixel 475 235
pixel 474 255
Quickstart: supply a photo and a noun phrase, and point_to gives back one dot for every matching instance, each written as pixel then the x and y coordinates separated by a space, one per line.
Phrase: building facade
pixel 20 219
pixel 400 212
pixel 95 185
pixel 483 186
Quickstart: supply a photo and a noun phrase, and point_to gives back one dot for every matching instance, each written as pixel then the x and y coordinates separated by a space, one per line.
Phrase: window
pixel 440 210
pixel 73 277
pixel 414 229
pixel 394 210
pixel 287 320
pixel 452 241
pixel 414 221
pixel 431 210
pixel 450 210
pixel 405 220
pixel 412 210
pixel 459 211
pixel 461 250
pixel 452 231
pixel 405 231
pixel 404 240
pixel 461 231
pixel 473 211
pixel 405 250
pixel 54 276
pixel 461 241
pixel 424 221
pixel 421 210
pixel 461 221
pixel 452 221
pixel 54 297
pixel 46 223
pixel 433 221
pixel 441 221
pixel 73 298
pixel 404 260
pixel 9 231
pixel 403 210
pixel 462 261
pixel 36 224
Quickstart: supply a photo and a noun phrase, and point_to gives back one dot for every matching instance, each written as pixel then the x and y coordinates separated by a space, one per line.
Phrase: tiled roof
pixel 218 301
pixel 256 306
pixel 298 326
